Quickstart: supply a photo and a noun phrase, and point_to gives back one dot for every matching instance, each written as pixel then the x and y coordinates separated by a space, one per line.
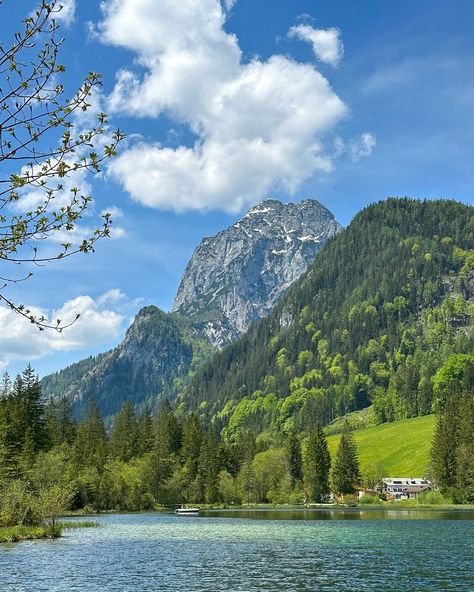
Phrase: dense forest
pixel 49 463
pixel 144 462
pixel 386 303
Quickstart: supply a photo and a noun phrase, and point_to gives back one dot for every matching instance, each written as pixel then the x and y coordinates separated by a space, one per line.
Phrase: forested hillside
pixel 383 318
pixel 385 304
pixel 158 353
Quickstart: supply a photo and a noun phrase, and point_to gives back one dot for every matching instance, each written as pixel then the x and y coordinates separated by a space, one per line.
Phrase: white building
pixel 402 488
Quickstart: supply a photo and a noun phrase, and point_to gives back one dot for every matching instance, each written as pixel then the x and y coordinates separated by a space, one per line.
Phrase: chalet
pixel 403 488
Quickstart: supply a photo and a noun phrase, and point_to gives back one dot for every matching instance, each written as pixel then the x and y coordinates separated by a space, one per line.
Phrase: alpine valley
pixel 376 334
pixel 232 280
pixel 382 307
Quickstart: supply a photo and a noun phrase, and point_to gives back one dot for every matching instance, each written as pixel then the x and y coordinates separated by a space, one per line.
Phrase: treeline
pixel 385 304
pixel 145 461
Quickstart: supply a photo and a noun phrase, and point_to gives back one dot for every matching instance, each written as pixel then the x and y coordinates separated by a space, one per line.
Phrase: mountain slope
pixel 400 448
pixel 158 351
pixel 386 301
pixel 235 278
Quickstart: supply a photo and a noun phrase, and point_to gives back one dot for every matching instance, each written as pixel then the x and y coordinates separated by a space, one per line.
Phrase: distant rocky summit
pixel 235 277
pixel 232 279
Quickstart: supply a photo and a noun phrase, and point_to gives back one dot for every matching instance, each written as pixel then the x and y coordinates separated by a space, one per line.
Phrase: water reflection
pixel 341 514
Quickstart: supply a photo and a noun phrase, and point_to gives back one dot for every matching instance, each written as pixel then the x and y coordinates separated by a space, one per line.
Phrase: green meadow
pixel 401 448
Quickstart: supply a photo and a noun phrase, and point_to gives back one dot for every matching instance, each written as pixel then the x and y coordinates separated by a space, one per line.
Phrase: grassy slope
pixel 401 448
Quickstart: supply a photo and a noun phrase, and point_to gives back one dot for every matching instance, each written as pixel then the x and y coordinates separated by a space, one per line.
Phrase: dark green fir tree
pixel 317 465
pixel 346 473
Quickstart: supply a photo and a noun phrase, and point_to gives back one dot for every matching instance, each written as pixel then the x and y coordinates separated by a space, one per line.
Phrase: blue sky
pixel 224 105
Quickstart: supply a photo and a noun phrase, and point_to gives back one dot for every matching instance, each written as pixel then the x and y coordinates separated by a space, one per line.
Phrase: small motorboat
pixel 187 511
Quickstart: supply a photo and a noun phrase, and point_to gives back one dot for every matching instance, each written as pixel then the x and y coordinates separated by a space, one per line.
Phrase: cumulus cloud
pixel 258 125
pixel 67 13
pixel 326 43
pixel 229 4
pixel 99 323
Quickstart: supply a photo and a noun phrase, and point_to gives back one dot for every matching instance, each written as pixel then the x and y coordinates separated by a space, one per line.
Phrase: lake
pixel 297 550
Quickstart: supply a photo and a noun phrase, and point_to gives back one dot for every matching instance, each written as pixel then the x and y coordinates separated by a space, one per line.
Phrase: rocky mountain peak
pixel 235 277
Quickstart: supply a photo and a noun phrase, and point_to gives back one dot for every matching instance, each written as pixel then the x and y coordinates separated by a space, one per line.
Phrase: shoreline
pixel 16 534
pixel 395 506
pixel 331 507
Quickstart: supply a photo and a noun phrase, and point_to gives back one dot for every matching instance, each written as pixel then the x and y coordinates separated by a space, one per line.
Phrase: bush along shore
pixel 12 534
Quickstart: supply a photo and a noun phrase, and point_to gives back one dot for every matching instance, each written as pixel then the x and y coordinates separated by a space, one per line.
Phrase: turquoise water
pixel 255 551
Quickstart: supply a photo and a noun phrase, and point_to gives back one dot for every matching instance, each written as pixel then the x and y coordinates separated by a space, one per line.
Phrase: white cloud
pixel 229 4
pixel 259 125
pixel 355 148
pixel 327 45
pixel 67 13
pixel 98 324
pixel 362 146
pixel 114 212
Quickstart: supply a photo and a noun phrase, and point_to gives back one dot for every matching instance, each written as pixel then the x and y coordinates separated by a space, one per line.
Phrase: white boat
pixel 187 511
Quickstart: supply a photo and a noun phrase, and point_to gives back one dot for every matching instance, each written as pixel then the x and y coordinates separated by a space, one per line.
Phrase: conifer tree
pixel 60 423
pixel 145 432
pixel 445 442
pixel 346 473
pixel 191 446
pixel 246 480
pixel 166 446
pixel 124 434
pixel 209 468
pixel 293 451
pixel 8 445
pixel 90 446
pixel 167 431
pixel 465 450
pixel 27 391
pixel 317 465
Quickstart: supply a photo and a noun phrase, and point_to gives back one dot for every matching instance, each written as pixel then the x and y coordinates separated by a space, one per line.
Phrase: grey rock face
pixel 236 277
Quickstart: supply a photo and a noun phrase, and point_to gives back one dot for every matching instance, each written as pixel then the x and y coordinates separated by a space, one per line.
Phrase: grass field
pixel 401 448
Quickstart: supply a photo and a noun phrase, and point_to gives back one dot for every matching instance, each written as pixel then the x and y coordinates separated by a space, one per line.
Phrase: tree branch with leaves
pixel 41 144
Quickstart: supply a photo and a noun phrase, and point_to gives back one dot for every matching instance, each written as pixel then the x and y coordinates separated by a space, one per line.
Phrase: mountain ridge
pixel 234 278
pixel 384 305
pixel 161 349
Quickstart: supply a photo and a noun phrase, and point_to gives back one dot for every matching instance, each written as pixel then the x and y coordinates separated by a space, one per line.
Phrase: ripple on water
pixel 195 554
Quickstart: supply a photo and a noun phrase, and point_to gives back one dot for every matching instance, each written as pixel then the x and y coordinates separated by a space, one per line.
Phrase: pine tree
pixel 293 451
pixel 465 450
pixel 346 473
pixel 167 431
pixel 246 480
pixel 209 467
pixel 30 410
pixel 124 434
pixel 192 437
pixel 166 446
pixel 9 469
pixel 59 422
pixel 66 421
pixel 445 442
pixel 145 432
pixel 90 446
pixel 317 465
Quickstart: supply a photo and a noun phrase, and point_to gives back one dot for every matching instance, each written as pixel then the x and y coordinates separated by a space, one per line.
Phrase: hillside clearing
pixel 401 448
